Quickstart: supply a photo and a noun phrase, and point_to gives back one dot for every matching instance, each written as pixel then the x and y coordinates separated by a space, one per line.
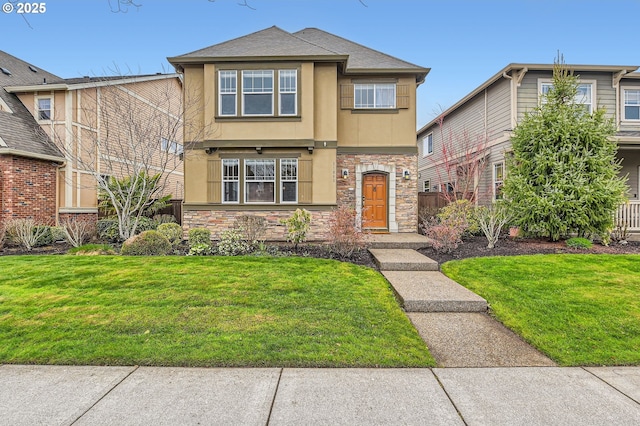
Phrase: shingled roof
pixel 309 44
pixel 19 131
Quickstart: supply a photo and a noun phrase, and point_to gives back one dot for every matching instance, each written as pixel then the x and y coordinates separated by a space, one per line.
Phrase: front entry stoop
pixel 402 260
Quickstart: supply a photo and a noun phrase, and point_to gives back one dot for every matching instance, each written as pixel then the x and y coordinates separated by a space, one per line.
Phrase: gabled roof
pixel 20 133
pixel 624 70
pixel 309 44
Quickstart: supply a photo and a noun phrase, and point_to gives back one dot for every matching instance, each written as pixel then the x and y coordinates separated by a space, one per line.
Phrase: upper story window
pixel 257 93
pixel 375 96
pixel 44 108
pixel 631 104
pixel 585 94
pixel 227 92
pixel 427 145
pixel 288 92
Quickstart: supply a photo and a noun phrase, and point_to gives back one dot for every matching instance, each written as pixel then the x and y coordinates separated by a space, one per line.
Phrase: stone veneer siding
pixel 27 189
pixel 403 193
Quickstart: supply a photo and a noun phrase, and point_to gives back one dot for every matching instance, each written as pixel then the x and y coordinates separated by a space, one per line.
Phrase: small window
pixel 632 104
pixel 583 96
pixel 260 180
pixel 498 180
pixel 257 92
pixel 374 96
pixel 289 180
pixel 227 89
pixel 426 186
pixel 288 92
pixel 230 181
pixel 44 109
pixel 171 147
pixel 427 145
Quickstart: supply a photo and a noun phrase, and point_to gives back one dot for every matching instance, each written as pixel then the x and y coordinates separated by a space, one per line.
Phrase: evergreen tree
pixel 563 175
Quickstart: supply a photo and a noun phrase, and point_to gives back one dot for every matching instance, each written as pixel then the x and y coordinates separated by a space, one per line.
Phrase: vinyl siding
pixel 628 125
pixel 630 164
pixel 498 108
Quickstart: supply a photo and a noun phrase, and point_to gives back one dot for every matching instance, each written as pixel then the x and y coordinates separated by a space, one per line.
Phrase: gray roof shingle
pixel 18 129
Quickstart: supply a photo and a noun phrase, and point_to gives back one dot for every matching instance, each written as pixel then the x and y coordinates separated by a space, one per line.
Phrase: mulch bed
pixel 477 247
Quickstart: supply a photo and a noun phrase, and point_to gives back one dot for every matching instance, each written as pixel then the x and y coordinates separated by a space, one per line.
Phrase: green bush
pixel 58 234
pixel 199 236
pixel 91 250
pixel 460 214
pixel 200 249
pixel 164 218
pixel 148 243
pixel 146 224
pixel 108 230
pixel 297 226
pixel 232 243
pixel 580 243
pixel 45 236
pixel 172 232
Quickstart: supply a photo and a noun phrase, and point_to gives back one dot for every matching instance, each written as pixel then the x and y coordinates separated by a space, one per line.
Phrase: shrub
pixel 579 243
pixel 253 228
pixel 3 233
pixel 76 231
pixel 199 236
pixel 27 233
pixel 460 213
pixel 108 230
pixel 232 243
pixel 445 236
pixel 491 220
pixel 148 243
pixel 172 232
pixel 91 250
pixel 146 224
pixel 344 236
pixel 164 218
pixel 200 249
pixel 297 226
pixel 45 236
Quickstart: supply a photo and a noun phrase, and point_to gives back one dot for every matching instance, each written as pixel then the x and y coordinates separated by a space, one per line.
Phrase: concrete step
pixel 407 240
pixel 427 291
pixel 474 340
pixel 402 260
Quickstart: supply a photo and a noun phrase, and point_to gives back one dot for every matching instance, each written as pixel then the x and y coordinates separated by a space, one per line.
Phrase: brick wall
pixel 28 189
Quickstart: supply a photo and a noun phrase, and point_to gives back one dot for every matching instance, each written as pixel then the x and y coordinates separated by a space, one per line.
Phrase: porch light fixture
pixel 406 174
pixel 345 173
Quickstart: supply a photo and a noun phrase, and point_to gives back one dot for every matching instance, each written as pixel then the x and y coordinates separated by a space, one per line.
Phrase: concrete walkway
pixel 61 395
pixel 452 320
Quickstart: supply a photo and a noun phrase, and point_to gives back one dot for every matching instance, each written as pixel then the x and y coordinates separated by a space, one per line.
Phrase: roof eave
pixel 36 87
pixel 181 60
pixel 29 154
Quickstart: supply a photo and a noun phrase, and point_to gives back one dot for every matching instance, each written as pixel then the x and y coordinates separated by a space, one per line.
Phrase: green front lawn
pixel 578 309
pixel 201 311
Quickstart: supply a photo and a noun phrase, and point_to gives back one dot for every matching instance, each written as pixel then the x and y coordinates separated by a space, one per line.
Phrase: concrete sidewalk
pixel 61 395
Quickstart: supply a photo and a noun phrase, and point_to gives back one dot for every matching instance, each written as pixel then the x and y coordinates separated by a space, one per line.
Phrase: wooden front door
pixel 374 201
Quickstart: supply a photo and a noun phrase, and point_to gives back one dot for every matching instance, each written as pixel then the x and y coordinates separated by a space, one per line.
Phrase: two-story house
pixel 486 116
pixel 300 120
pixel 81 128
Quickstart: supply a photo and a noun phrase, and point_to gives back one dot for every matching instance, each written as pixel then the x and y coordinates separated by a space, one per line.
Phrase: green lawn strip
pixel 577 309
pixel 201 311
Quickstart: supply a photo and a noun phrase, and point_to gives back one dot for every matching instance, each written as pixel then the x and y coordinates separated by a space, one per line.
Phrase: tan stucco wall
pixel 326 102
pixel 364 129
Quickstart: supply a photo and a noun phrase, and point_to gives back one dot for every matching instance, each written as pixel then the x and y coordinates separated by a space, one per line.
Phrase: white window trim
pixel 425 151
pixel 223 181
pixel 282 180
pixel 494 180
pixel 272 93
pixel 4 107
pixel 622 90
pixel 220 93
pixel 245 181
pixel 395 95
pixel 426 185
pixel 295 93
pixel 37 108
pixel 171 147
pixel 594 90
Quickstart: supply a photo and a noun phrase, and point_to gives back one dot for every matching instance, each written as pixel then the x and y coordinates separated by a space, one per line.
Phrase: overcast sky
pixel 463 42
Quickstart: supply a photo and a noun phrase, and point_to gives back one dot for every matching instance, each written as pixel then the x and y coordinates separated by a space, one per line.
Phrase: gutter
pixel 21 153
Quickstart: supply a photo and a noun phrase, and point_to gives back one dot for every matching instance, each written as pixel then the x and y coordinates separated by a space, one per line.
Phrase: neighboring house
pixel 81 124
pixel 487 116
pixel 300 120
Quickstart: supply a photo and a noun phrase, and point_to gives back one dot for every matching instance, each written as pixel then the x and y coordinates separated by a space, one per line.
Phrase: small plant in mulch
pixel 92 250
pixel 579 243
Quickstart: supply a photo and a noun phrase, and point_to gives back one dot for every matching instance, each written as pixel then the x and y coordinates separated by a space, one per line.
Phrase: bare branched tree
pixel 460 164
pixel 131 131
